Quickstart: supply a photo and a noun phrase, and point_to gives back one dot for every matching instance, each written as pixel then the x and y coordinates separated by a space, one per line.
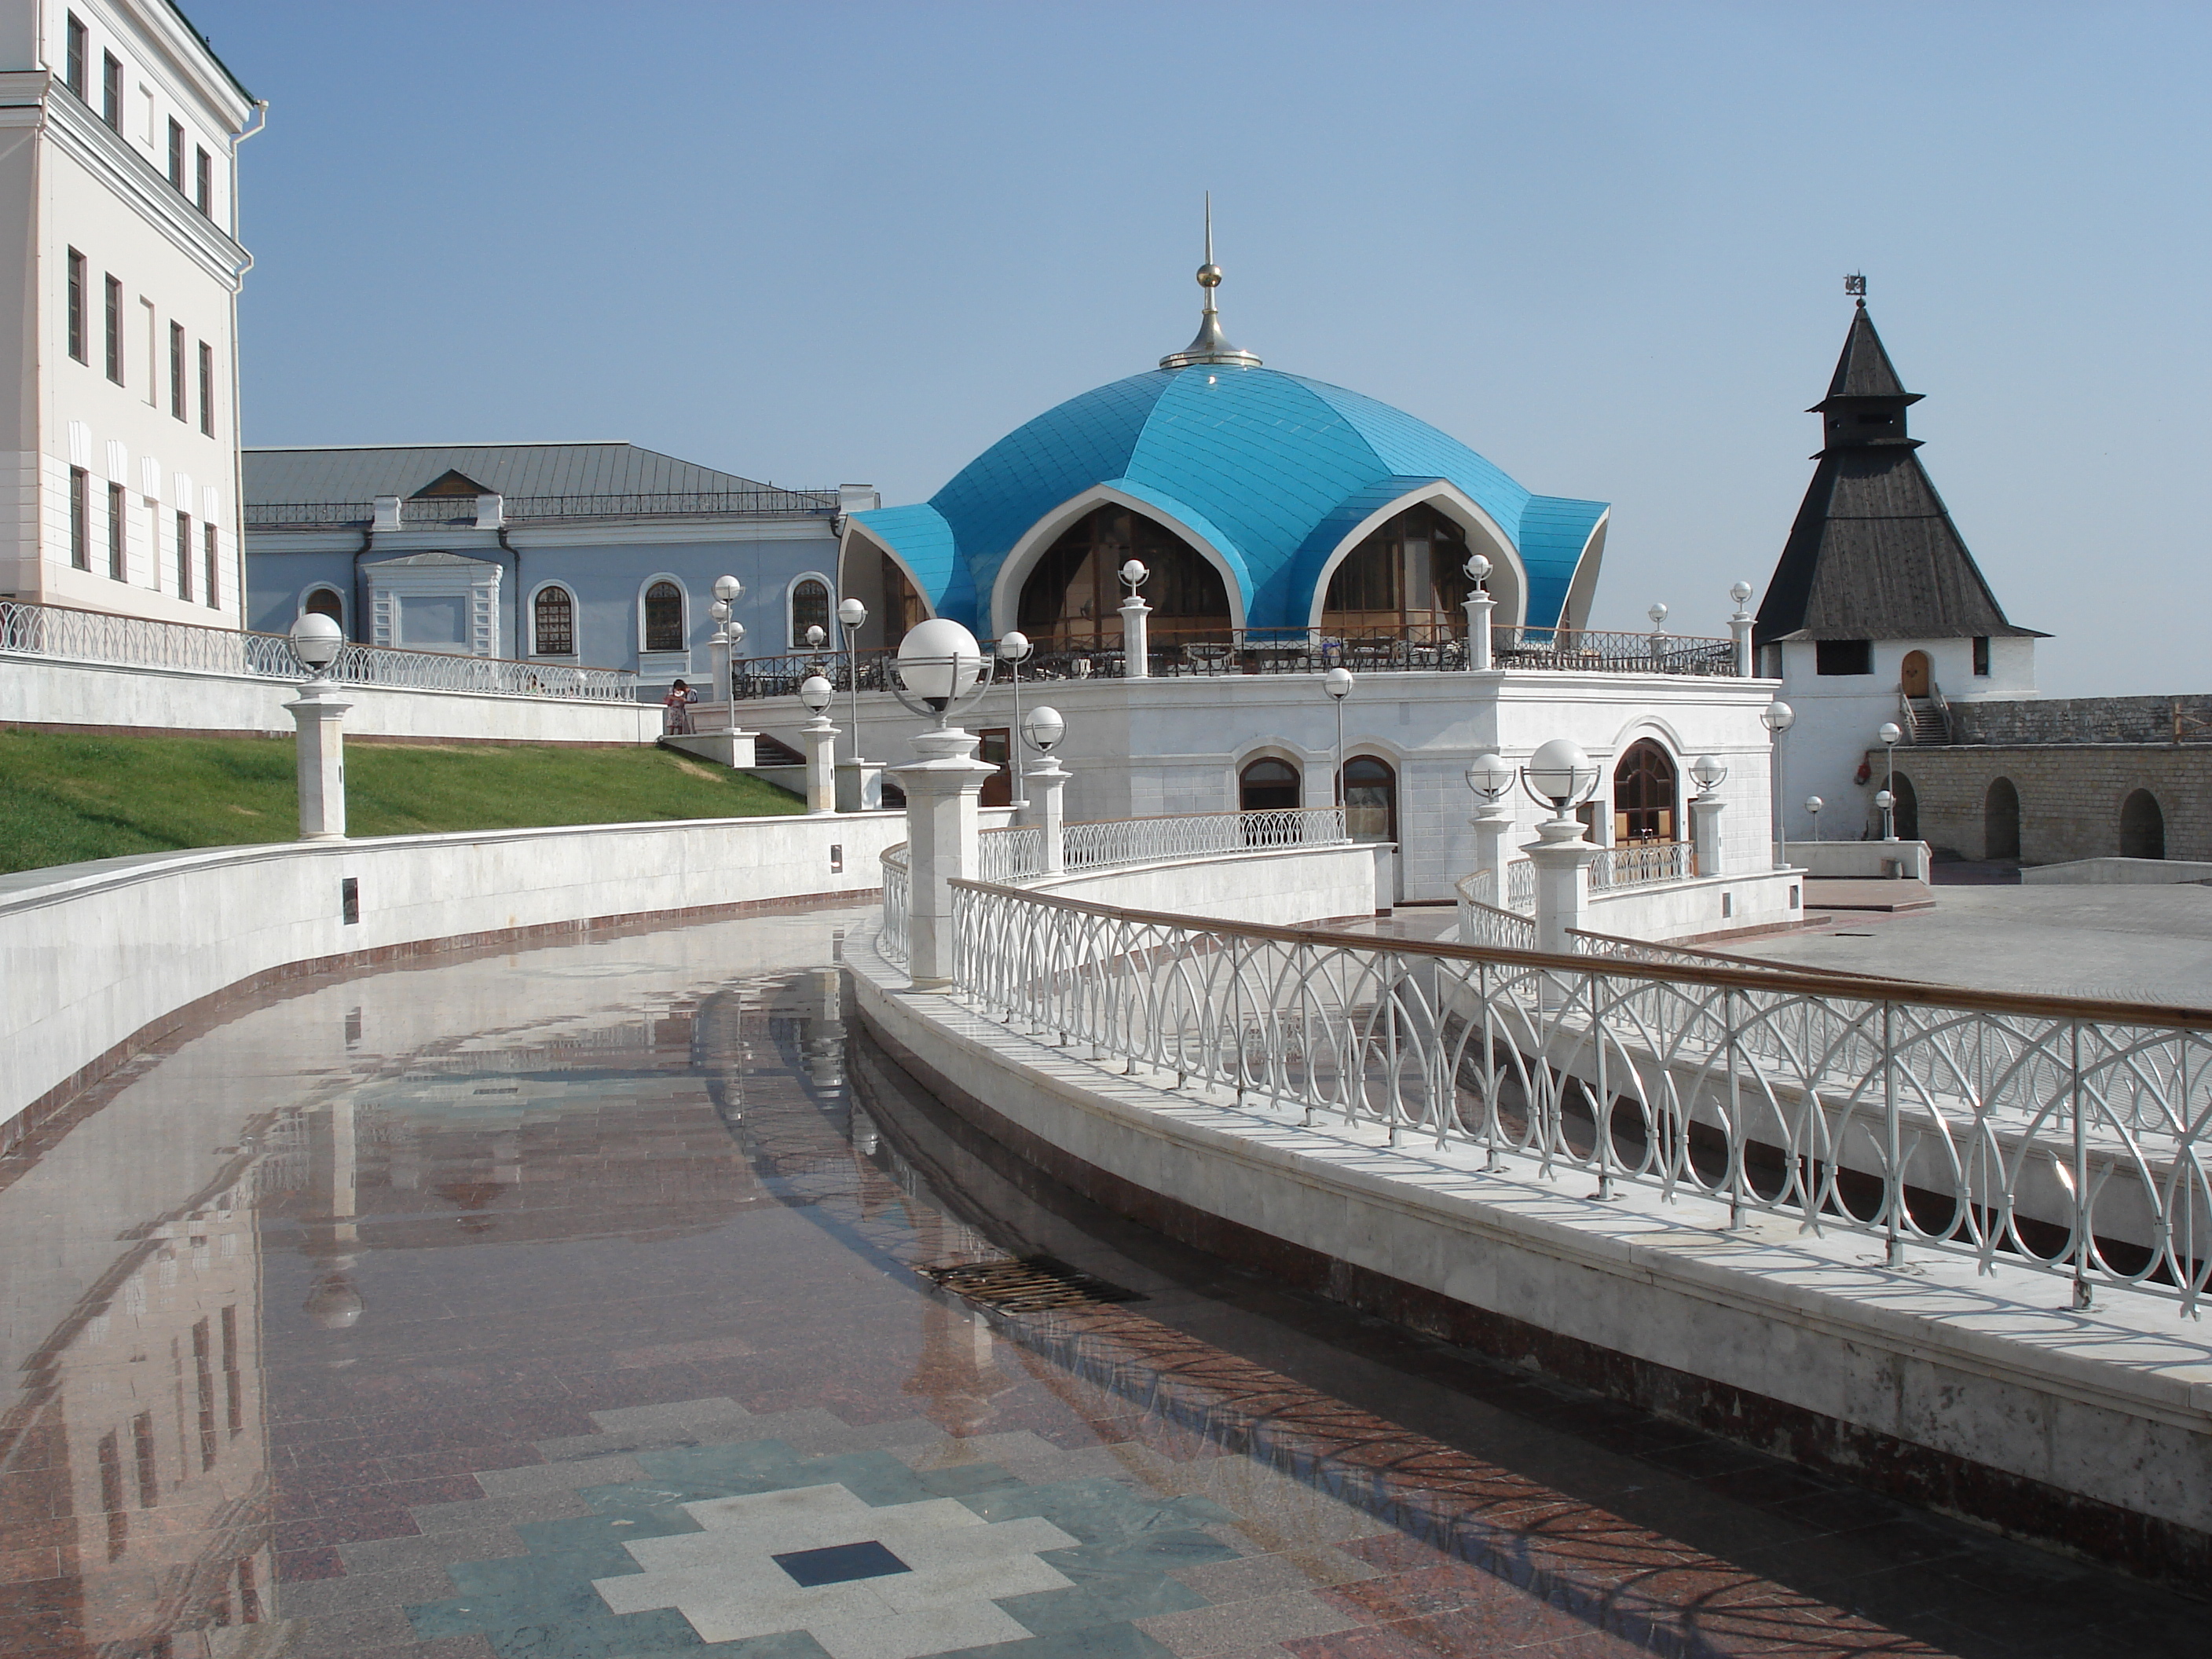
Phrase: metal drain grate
pixel 1023 1286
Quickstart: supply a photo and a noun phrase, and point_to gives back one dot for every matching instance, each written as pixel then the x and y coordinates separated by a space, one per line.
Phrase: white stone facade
pixel 123 442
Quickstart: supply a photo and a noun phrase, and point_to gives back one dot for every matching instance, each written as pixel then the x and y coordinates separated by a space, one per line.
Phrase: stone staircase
pixel 1926 721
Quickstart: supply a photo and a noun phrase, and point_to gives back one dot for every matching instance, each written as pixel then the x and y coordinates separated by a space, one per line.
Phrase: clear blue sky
pixel 1602 243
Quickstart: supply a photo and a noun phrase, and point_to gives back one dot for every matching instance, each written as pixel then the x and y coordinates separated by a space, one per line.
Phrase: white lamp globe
pixel 852 613
pixel 1778 717
pixel 1891 733
pixel 1134 573
pixel 1044 728
pixel 1477 568
pixel 1708 772
pixel 728 589
pixel 1337 683
pixel 1813 804
pixel 815 636
pixel 1013 648
pixel 1657 613
pixel 1559 771
pixel 1489 777
pixel 737 632
pixel 316 640
pixel 816 692
pixel 939 660
pixel 1740 593
pixel 719 611
pixel 1884 799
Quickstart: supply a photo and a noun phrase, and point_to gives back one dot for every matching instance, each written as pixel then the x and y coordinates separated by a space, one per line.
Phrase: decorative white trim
pixel 638 609
pixel 1014 569
pixel 831 641
pixel 1582 587
pixel 1483 535
pixel 861 531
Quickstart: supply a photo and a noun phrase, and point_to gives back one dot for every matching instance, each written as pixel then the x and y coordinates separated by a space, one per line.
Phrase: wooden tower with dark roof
pixel 1874 554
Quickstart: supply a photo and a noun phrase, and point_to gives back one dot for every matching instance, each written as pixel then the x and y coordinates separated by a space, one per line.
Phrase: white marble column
pixel 821 738
pixel 1492 826
pixel 319 712
pixel 1477 606
pixel 1561 855
pixel 1048 777
pixel 941 827
pixel 1136 643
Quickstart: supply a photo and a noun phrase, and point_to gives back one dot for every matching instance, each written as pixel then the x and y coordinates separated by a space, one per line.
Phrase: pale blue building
pixel 585 555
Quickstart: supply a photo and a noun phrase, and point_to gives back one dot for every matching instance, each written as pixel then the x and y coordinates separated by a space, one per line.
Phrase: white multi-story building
pixel 119 202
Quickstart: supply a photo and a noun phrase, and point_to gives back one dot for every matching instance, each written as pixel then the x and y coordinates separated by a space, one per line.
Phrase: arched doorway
pixel 1370 799
pixel 1407 579
pixel 1643 793
pixel 1905 815
pixel 1269 785
pixel 2143 827
pixel 1072 600
pixel 2000 821
pixel 1913 678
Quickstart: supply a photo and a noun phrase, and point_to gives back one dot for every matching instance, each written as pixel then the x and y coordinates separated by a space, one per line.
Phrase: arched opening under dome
pixel 1408 579
pixel 1072 600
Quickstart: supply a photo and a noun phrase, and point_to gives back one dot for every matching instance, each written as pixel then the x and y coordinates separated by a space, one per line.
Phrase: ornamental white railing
pixel 1010 854
pixel 2061 1135
pixel 94 636
pixel 1114 841
pixel 1633 863
pixel 891 941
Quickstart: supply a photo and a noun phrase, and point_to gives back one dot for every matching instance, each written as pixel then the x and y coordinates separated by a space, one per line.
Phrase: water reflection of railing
pixel 2066 1136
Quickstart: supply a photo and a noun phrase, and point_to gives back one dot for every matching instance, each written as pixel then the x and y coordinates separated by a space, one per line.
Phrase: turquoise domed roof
pixel 1272 470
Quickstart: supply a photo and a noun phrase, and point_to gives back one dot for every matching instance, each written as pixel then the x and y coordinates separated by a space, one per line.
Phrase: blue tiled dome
pixel 1273 470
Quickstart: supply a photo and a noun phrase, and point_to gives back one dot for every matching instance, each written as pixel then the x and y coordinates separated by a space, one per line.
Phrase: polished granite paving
pixel 564 1304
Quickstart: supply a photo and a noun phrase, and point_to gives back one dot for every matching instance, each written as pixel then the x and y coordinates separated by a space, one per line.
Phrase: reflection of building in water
pixel 141 1431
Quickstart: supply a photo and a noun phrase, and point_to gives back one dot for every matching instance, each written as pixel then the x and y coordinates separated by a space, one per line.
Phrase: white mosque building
pixel 1285 526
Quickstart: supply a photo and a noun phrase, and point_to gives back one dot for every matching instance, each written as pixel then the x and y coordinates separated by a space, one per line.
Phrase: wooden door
pixel 994 747
pixel 1915 674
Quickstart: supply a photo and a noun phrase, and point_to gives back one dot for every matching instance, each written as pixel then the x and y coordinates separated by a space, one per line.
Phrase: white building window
pixel 661 621
pixel 553 622
pixel 809 605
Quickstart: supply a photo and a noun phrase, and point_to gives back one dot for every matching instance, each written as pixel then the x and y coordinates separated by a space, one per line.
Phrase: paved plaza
pixel 565 1303
pixel 2133 943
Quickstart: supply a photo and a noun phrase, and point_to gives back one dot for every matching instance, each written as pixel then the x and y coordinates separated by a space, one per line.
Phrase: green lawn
pixel 63 798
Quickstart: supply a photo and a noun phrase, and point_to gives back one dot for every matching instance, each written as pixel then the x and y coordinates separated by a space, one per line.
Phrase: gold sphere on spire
pixel 1209 275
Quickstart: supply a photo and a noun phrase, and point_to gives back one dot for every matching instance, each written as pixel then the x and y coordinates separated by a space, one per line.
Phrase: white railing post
pixel 1048 777
pixel 1136 658
pixel 941 835
pixel 1705 835
pixel 821 739
pixel 319 712
pixel 1478 606
pixel 1562 857
pixel 1740 630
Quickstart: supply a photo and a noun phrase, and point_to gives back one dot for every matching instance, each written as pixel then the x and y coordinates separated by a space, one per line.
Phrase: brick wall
pixel 2070 795
pixel 2084 719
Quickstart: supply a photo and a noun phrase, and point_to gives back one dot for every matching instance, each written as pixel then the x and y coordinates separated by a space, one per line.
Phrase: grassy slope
pixel 63 798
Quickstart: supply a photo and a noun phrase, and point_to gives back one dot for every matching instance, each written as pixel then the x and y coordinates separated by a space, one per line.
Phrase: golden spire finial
pixel 1210 347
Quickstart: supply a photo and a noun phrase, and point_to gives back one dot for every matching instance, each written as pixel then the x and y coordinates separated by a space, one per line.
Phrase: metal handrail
pixel 1110 842
pixel 891 939
pixel 97 636
pixel 725 503
pixel 2061 1134
pixel 1636 863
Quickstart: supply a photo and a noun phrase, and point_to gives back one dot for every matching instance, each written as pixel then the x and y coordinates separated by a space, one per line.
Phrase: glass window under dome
pixel 1073 600
pixel 1407 579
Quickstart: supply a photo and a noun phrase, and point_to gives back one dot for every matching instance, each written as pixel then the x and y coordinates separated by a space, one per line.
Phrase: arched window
pixel 2000 821
pixel 2143 827
pixel 810 608
pixel 1644 786
pixel 553 620
pixel 664 617
pixel 1072 600
pixel 325 602
pixel 1370 799
pixel 1268 785
pixel 1410 573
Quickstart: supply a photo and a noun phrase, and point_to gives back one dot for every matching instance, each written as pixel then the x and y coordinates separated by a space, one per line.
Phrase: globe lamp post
pixel 816 693
pixel 853 617
pixel 1478 606
pixel 1136 643
pixel 1709 773
pixel 728 590
pixel 1890 736
pixel 319 712
pixel 1042 732
pixel 1338 683
pixel 1561 776
pixel 1778 717
pixel 937 673
pixel 1014 649
pixel 1492 779
pixel 1812 805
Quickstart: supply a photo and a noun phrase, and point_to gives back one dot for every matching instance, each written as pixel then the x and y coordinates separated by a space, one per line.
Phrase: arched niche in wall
pixel 2001 820
pixel 1269 784
pixel 2143 826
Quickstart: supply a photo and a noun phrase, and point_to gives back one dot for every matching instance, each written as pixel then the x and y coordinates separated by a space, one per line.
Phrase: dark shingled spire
pixel 1874 554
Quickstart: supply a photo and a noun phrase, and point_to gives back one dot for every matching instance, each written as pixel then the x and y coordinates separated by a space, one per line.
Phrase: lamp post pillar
pixel 319 712
pixel 1050 777
pixel 1561 855
pixel 1740 626
pixel 941 829
pixel 1706 834
pixel 821 764
pixel 1478 606
pixel 1492 825
pixel 1136 646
